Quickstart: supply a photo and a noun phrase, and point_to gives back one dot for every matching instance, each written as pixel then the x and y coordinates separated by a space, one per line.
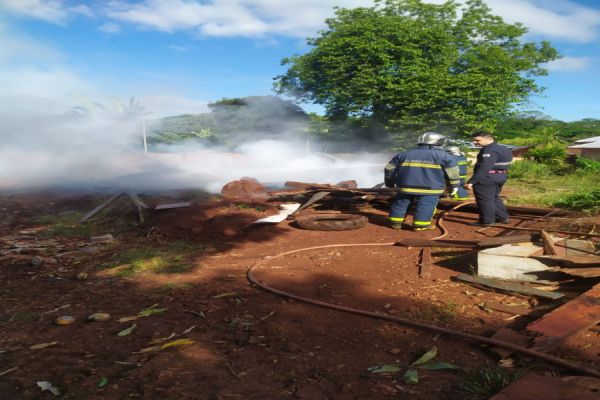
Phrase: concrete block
pixel 511 262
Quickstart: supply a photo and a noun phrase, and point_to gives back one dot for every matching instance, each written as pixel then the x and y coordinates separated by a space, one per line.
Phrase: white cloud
pixel 47 10
pixel 559 19
pixel 110 27
pixel 556 19
pixel 570 64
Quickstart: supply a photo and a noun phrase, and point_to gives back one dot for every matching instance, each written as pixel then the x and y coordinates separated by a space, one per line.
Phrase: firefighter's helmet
pixel 454 150
pixel 432 139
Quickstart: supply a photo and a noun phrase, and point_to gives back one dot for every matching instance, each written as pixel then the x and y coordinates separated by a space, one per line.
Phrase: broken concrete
pixel 513 262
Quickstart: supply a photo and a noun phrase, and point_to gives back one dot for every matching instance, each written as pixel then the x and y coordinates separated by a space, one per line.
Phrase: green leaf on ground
pixel 103 382
pixel 127 331
pixel 178 342
pixel 411 377
pixel 426 357
pixel 151 310
pixel 438 365
pixel 382 369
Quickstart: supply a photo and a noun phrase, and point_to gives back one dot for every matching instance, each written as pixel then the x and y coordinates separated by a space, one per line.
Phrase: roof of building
pixel 587 143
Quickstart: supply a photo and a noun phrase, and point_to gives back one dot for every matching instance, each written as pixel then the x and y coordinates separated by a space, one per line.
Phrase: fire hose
pixel 452 332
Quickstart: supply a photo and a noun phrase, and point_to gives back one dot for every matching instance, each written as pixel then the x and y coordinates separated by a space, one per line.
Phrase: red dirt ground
pixel 247 343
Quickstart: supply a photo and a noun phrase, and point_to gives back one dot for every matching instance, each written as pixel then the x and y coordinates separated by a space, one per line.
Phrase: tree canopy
pixel 407 65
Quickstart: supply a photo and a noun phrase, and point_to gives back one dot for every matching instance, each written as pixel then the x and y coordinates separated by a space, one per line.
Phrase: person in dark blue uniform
pixel 420 176
pixel 489 176
pixel 461 161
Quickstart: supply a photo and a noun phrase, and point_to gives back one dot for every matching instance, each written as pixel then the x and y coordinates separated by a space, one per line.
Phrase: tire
pixel 331 222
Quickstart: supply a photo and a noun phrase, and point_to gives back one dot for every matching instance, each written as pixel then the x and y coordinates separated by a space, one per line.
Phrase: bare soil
pixel 245 343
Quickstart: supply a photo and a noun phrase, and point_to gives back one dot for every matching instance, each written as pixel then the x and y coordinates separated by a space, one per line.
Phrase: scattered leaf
pixel 178 342
pixel 45 385
pixel 426 357
pixel 103 382
pixel 411 377
pixel 42 345
pixel 127 319
pixel 149 349
pixel 8 371
pixel 438 365
pixel 127 331
pixel 226 294
pixel 382 369
pixel 188 330
pixel 151 310
pixel 484 307
pixel 155 341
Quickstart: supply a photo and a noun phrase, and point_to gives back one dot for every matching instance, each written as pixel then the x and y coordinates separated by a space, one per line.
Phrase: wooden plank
pixel 173 205
pixel 548 230
pixel 549 248
pixel 502 240
pixel 509 287
pixel 573 317
pixel 533 386
pixel 100 207
pixel 316 197
pixel 413 242
pixel 136 200
pixel 521 311
pixel 582 272
pixel 574 261
pixel 425 265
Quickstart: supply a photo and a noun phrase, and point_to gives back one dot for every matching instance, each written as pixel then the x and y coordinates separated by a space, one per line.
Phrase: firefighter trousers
pixel 425 208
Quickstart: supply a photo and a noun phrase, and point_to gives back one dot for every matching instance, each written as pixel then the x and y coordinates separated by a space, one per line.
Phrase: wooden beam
pixel 549 248
pixel 425 265
pixel 571 318
pixel 509 287
pixel 100 207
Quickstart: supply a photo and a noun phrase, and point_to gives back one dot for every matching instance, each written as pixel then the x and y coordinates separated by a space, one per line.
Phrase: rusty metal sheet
pixel 536 387
pixel 577 315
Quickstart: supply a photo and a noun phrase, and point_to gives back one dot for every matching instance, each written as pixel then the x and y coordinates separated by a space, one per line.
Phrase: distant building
pixel 588 148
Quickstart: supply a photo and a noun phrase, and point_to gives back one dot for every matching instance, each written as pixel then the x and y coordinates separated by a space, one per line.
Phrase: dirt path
pixel 246 343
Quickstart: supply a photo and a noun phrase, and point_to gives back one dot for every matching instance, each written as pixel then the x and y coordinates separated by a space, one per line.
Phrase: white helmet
pixel 432 139
pixel 454 150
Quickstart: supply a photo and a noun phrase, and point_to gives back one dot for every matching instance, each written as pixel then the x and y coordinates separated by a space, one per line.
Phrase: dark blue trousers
pixel 491 208
pixel 424 212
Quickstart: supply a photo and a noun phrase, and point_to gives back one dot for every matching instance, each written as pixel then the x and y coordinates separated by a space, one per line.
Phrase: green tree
pixel 404 65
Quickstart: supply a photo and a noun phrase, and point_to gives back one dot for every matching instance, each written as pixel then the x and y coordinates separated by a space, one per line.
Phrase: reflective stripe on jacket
pixel 422 171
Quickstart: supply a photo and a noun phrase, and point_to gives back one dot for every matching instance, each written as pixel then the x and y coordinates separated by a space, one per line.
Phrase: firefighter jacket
pixel 492 159
pixel 422 171
pixel 461 161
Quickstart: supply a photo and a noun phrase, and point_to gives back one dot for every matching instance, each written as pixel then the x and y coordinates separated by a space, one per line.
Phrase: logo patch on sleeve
pixel 486 155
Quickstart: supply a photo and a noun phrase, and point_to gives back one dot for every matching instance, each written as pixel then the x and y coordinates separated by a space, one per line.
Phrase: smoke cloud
pixel 105 152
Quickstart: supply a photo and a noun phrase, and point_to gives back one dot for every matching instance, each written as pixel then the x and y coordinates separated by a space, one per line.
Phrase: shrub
pixel 548 153
pixel 586 164
pixel 585 200
pixel 527 168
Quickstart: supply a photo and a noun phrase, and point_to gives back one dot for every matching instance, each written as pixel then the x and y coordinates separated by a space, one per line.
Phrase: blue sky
pixel 178 55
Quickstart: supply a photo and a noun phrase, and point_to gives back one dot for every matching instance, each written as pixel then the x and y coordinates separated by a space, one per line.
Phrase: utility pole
pixel 144 136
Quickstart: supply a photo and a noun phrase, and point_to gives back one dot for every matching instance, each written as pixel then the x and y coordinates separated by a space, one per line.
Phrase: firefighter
pixel 461 161
pixel 420 176
pixel 489 175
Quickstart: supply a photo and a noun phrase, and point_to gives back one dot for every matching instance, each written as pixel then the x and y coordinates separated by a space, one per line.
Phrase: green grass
pixel 244 206
pixel 486 382
pixel 64 224
pixel 535 184
pixel 171 258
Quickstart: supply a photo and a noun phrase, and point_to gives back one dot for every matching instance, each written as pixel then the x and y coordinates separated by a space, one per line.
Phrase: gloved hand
pixel 389 184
